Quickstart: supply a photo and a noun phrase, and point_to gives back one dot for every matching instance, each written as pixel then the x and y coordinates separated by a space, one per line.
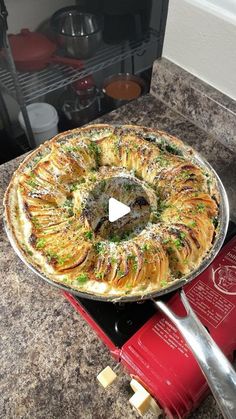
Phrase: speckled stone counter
pixel 207 107
pixel 49 356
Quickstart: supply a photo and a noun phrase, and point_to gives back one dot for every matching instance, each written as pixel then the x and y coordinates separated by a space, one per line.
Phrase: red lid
pixel 27 46
pixel 84 84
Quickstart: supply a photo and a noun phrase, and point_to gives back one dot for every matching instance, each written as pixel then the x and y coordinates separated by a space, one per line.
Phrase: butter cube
pixel 141 401
pixel 106 377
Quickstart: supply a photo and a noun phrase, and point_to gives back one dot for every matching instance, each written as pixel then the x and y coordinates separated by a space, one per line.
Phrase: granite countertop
pixel 49 356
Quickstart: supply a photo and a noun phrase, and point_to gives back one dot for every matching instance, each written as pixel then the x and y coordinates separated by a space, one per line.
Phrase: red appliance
pixel 156 354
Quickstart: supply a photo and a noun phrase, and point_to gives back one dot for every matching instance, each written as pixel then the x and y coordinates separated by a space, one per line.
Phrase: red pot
pixel 33 51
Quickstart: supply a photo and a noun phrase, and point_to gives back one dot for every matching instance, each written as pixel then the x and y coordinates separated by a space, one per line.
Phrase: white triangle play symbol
pixel 117 209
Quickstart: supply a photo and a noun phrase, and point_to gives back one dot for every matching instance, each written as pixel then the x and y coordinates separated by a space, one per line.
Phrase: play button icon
pixel 116 210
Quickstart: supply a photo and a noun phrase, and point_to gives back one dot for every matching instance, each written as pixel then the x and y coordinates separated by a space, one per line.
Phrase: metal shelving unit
pixel 56 76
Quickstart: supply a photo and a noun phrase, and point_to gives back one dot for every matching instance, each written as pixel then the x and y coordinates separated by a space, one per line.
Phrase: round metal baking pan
pixel 223 220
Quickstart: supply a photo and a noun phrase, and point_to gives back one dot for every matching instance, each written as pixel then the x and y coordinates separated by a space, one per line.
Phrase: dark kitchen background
pixel 66 63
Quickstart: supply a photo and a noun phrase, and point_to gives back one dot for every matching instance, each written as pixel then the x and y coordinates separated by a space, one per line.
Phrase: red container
pixel 157 355
pixel 33 51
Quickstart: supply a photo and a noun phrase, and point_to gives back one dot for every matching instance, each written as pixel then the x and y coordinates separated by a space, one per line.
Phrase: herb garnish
pixel 71 148
pixel 100 247
pixel 102 185
pixel 95 150
pixel 68 204
pixel 162 161
pixel 191 224
pixel 164 145
pixel 82 278
pixel 201 207
pixel 120 273
pixel 134 260
pixel 128 186
pixel 73 187
pixel 145 247
pixel 40 243
pixel 163 283
pixel 99 275
pixel 88 235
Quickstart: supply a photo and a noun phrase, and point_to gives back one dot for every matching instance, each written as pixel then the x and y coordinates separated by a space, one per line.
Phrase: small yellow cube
pixel 106 377
pixel 141 401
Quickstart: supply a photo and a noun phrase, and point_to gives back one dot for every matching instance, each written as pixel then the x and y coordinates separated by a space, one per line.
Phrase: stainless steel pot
pixel 79 34
pixel 116 103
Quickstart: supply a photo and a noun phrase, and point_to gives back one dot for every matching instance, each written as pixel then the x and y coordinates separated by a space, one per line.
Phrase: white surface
pixel 44 119
pixel 30 13
pixel 117 209
pixel 225 9
pixel 201 38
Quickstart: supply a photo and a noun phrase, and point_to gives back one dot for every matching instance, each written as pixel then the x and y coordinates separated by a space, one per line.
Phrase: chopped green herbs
pixel 32 183
pixel 51 256
pixel 163 283
pixel 40 243
pixel 37 159
pixel 128 186
pixel 82 278
pixel 99 275
pixel 73 187
pixel 30 253
pixel 191 224
pixel 162 161
pixel 95 150
pixel 215 222
pixel 100 247
pixel 92 178
pixel 145 247
pixel 186 175
pixel 173 149
pixel 116 145
pixel 35 222
pixel 120 273
pixel 115 238
pixel 134 260
pixel 162 206
pixel 88 235
pixel 209 182
pixel 164 145
pixel 54 257
pixel 68 205
pixel 71 149
pixel 177 243
pixel 201 207
pixel 102 185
